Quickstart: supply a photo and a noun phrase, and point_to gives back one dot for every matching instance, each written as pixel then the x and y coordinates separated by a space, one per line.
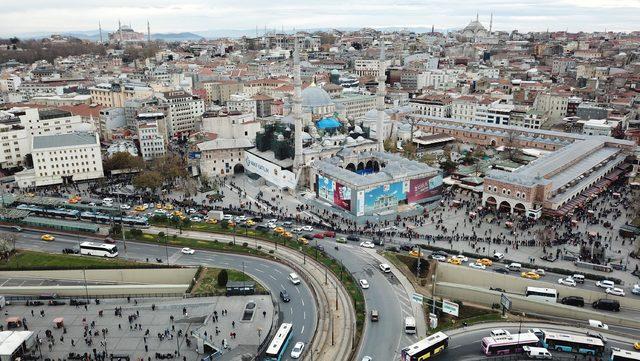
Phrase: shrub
pixel 245 244
pixel 223 278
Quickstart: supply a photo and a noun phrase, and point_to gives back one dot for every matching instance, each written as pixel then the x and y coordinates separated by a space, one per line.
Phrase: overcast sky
pixel 24 16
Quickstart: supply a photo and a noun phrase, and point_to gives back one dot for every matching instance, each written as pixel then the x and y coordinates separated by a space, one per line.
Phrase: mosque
pixel 475 31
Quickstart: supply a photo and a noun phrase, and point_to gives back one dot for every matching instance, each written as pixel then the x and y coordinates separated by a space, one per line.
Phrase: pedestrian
pixel 233 324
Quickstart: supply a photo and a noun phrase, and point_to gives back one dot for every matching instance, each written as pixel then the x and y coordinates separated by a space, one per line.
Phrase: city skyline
pixel 199 16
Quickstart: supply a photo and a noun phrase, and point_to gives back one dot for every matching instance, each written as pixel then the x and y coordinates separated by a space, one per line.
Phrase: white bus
pixel 97 249
pixel 624 355
pixel 426 348
pixel 278 345
pixel 542 294
pixel 566 342
pixel 409 325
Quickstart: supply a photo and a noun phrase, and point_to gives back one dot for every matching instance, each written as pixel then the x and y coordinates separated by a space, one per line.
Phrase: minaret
pixel 380 97
pixel 491 24
pixel 100 30
pixel 148 32
pixel 297 106
pixel 120 30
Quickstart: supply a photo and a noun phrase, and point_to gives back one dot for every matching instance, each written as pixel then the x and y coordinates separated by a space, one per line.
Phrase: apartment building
pixel 432 105
pixel 14 141
pixel 184 112
pixel 220 92
pixel 554 104
pixel 354 106
pixel 115 94
pixel 151 135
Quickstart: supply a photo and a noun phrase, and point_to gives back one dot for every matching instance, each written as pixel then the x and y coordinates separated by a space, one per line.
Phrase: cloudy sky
pixel 25 16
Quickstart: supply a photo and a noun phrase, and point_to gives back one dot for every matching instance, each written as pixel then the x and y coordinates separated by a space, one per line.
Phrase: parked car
pixel 576 301
pixel 34 303
pixel 567 281
pixel 56 303
pixel 616 291
pixel 605 284
pixel 77 302
pixel 329 234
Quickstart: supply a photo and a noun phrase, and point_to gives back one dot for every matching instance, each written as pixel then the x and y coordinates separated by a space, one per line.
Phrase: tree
pixel 123 160
pixel 390 145
pixel 409 150
pixel 511 145
pixel 148 179
pixel 429 158
pixel 223 278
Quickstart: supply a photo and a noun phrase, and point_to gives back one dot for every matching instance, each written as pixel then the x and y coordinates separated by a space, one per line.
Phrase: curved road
pixel 301 311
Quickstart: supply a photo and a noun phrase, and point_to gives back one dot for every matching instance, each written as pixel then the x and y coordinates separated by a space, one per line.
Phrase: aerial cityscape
pixel 353 181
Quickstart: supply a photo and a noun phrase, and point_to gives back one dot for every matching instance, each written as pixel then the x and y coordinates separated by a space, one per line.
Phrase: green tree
pixel 123 160
pixel 148 179
pixel 409 150
pixel 223 278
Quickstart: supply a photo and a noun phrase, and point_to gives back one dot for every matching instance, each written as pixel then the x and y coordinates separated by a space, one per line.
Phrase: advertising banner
pixel 325 188
pixel 424 188
pixel 384 196
pixel 342 196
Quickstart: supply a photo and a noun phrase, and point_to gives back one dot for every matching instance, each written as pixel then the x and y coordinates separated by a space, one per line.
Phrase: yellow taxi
pixel 158 205
pixel 530 275
pixel 178 213
pixel 47 237
pixel 139 208
pixel 279 230
pixel 454 260
pixel 211 220
pixel 287 235
pixel 414 253
pixel 636 345
pixel 30 194
pixel 484 262
pixel 303 240
pixel 250 223
pixel 231 224
pixel 168 207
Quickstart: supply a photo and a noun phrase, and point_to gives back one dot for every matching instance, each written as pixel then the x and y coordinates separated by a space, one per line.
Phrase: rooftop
pixel 64 140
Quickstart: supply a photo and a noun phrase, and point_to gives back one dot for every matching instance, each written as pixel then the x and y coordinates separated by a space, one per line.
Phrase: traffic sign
pixel 451 308
pixel 505 302
pixel 417 298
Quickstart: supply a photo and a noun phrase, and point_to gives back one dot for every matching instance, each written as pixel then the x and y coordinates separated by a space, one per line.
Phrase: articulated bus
pixel 278 346
pixel 503 345
pixel 97 249
pixel 427 348
pixel 624 355
pixel 542 294
pixel 573 343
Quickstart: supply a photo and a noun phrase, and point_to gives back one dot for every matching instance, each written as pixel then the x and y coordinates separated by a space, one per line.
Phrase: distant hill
pixel 176 36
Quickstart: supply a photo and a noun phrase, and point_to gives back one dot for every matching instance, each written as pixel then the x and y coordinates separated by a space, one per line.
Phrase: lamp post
pixel 166 246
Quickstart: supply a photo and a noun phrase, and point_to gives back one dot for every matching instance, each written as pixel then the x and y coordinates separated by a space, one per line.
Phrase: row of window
pixel 507 192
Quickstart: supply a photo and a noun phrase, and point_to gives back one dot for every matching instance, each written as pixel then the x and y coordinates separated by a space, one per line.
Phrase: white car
pixel 477 265
pixel 499 332
pixel 187 250
pixel 605 284
pixel 307 228
pixel 196 219
pixel 243 218
pixel 367 358
pixel 568 281
pixel 296 352
pixel 297 229
pixel 462 258
pixel 499 256
pixel 539 271
pixel 636 289
pixel 227 217
pixel 271 225
pixel 367 244
pixel 439 257
pixel 364 284
pixel 125 206
pixel 615 291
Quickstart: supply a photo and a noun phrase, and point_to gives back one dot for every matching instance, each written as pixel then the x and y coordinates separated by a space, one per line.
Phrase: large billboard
pixel 384 196
pixel 271 172
pixel 342 196
pixel 424 188
pixel 325 188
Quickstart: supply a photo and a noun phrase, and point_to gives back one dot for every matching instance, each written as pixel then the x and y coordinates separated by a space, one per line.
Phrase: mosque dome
pixel 474 29
pixel 315 96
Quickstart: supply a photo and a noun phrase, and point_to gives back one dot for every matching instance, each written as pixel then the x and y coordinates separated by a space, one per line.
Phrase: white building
pixel 555 105
pixel 366 67
pixel 353 106
pixel 494 112
pixel 151 135
pixel 48 121
pixel 63 158
pixel 597 127
pixel 231 125
pixel 241 103
pixel 183 112
pixel 14 141
pixel 222 157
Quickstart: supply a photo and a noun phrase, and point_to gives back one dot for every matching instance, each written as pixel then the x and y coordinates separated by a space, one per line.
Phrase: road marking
pixel 281 285
pixel 302 300
pixel 277 271
pixel 302 330
pixel 3 283
pixel 273 277
pixel 291 311
pixel 297 289
pixel 304 315
pixel 259 270
pixel 455 347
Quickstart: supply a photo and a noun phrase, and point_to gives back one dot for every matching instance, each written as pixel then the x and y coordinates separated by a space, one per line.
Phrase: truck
pixel 217 215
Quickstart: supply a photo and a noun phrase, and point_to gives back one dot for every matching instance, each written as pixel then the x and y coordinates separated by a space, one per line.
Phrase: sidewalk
pixel 335 330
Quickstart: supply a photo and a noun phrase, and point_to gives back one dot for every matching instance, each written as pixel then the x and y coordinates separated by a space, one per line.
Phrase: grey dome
pixel 314 96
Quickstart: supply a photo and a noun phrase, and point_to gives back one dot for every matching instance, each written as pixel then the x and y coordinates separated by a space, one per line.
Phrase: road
pixel 301 311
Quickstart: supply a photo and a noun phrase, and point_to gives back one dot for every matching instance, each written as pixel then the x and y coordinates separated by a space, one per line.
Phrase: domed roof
pixel 328 123
pixel 315 96
pixel 474 26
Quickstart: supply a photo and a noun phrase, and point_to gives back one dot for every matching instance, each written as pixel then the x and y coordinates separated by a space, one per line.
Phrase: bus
pixel 624 355
pixel 506 344
pixel 573 343
pixel 97 249
pixel 542 294
pixel 426 348
pixel 278 345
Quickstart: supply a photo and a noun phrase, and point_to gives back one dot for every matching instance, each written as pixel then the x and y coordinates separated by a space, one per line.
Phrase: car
pixel 272 220
pixel 438 257
pixel 485 261
pixel 78 302
pixel 319 247
pixel 250 223
pixel 498 256
pixel 364 284
pixel 294 278
pixel 353 238
pixel 385 268
pixel 497 289
pixel 454 260
pixel 227 217
pixel 70 251
pixel 279 230
pixel 187 250
pixel 242 218
pixel 414 253
pixel 375 315
pixel 287 223
pixel 137 208
pixel 109 240
pixel 606 304
pixel 287 235
pixel 530 275
pixel 367 244
pixel 168 206
pixel 499 332
pixel 462 258
pixel 318 236
pixel 598 324
pixel 605 284
pixel 597 335
pixel 367 358
pixel 636 345
pixel 303 240
pixel 536 331
pixel 406 247
pixel 296 352
pixel 297 229
pixel 125 206
pixel 615 291
pixel 576 301
pixel 272 226
pixel 48 237
pixel 540 271
pixel 477 265
pixel 284 296
pixel 504 271
pixel 329 234
pixel 636 289
pixel 307 228
pixel 56 303
pixel 567 281
pixel 341 240
pixel 196 219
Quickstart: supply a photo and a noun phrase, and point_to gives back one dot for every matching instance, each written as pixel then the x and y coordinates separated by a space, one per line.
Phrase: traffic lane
pixel 301 310
pixel 381 339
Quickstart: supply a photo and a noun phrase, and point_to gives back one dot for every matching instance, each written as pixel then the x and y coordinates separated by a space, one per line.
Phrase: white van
pixel 538 353
pixel 385 268
pixel 598 324
pixel 293 277
pixel 578 278
pixel 409 325
pixel 107 202
pixel 514 267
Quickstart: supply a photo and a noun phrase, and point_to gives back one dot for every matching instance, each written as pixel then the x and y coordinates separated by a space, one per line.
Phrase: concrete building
pixel 230 125
pixel 110 120
pixel 184 112
pixel 152 134
pixel 115 94
pixel 242 103
pixel 597 127
pixel 63 158
pixel 221 157
pixel 496 112
pixel 14 141
pixel 47 121
pixel 263 105
pixel 220 92
pixel 432 105
pixel 366 67
pixel 464 108
pixel 555 105
pixel 353 106
pixel 589 110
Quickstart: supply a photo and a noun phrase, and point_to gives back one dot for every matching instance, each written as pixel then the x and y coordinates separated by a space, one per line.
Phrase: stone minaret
pixel 148 32
pixel 380 98
pixel 100 29
pixel 491 24
pixel 297 106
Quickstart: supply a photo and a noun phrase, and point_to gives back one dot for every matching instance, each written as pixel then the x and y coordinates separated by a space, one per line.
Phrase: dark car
pixel 406 247
pixel 33 303
pixel 70 251
pixel 353 238
pixel 48 296
pixel 56 303
pixel 498 289
pixel 573 301
pixel 76 302
pixel 378 242
pixel 262 227
pixel 502 270
pixel 606 304
pixel 597 335
pixel 320 247
pixel 284 296
pixel 441 253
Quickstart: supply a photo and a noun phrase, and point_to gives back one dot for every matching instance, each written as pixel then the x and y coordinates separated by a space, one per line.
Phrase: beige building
pixel 553 104
pixel 114 95
pixel 221 157
pixel 220 91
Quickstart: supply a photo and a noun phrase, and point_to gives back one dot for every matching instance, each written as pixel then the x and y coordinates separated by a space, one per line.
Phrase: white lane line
pixel 281 285
pixel 301 300
pixel 3 283
pixel 455 347
pixel 297 289
pixel 291 309
pixel 277 271
pixel 304 315
pixel 302 330
pixel 259 270
pixel 273 277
